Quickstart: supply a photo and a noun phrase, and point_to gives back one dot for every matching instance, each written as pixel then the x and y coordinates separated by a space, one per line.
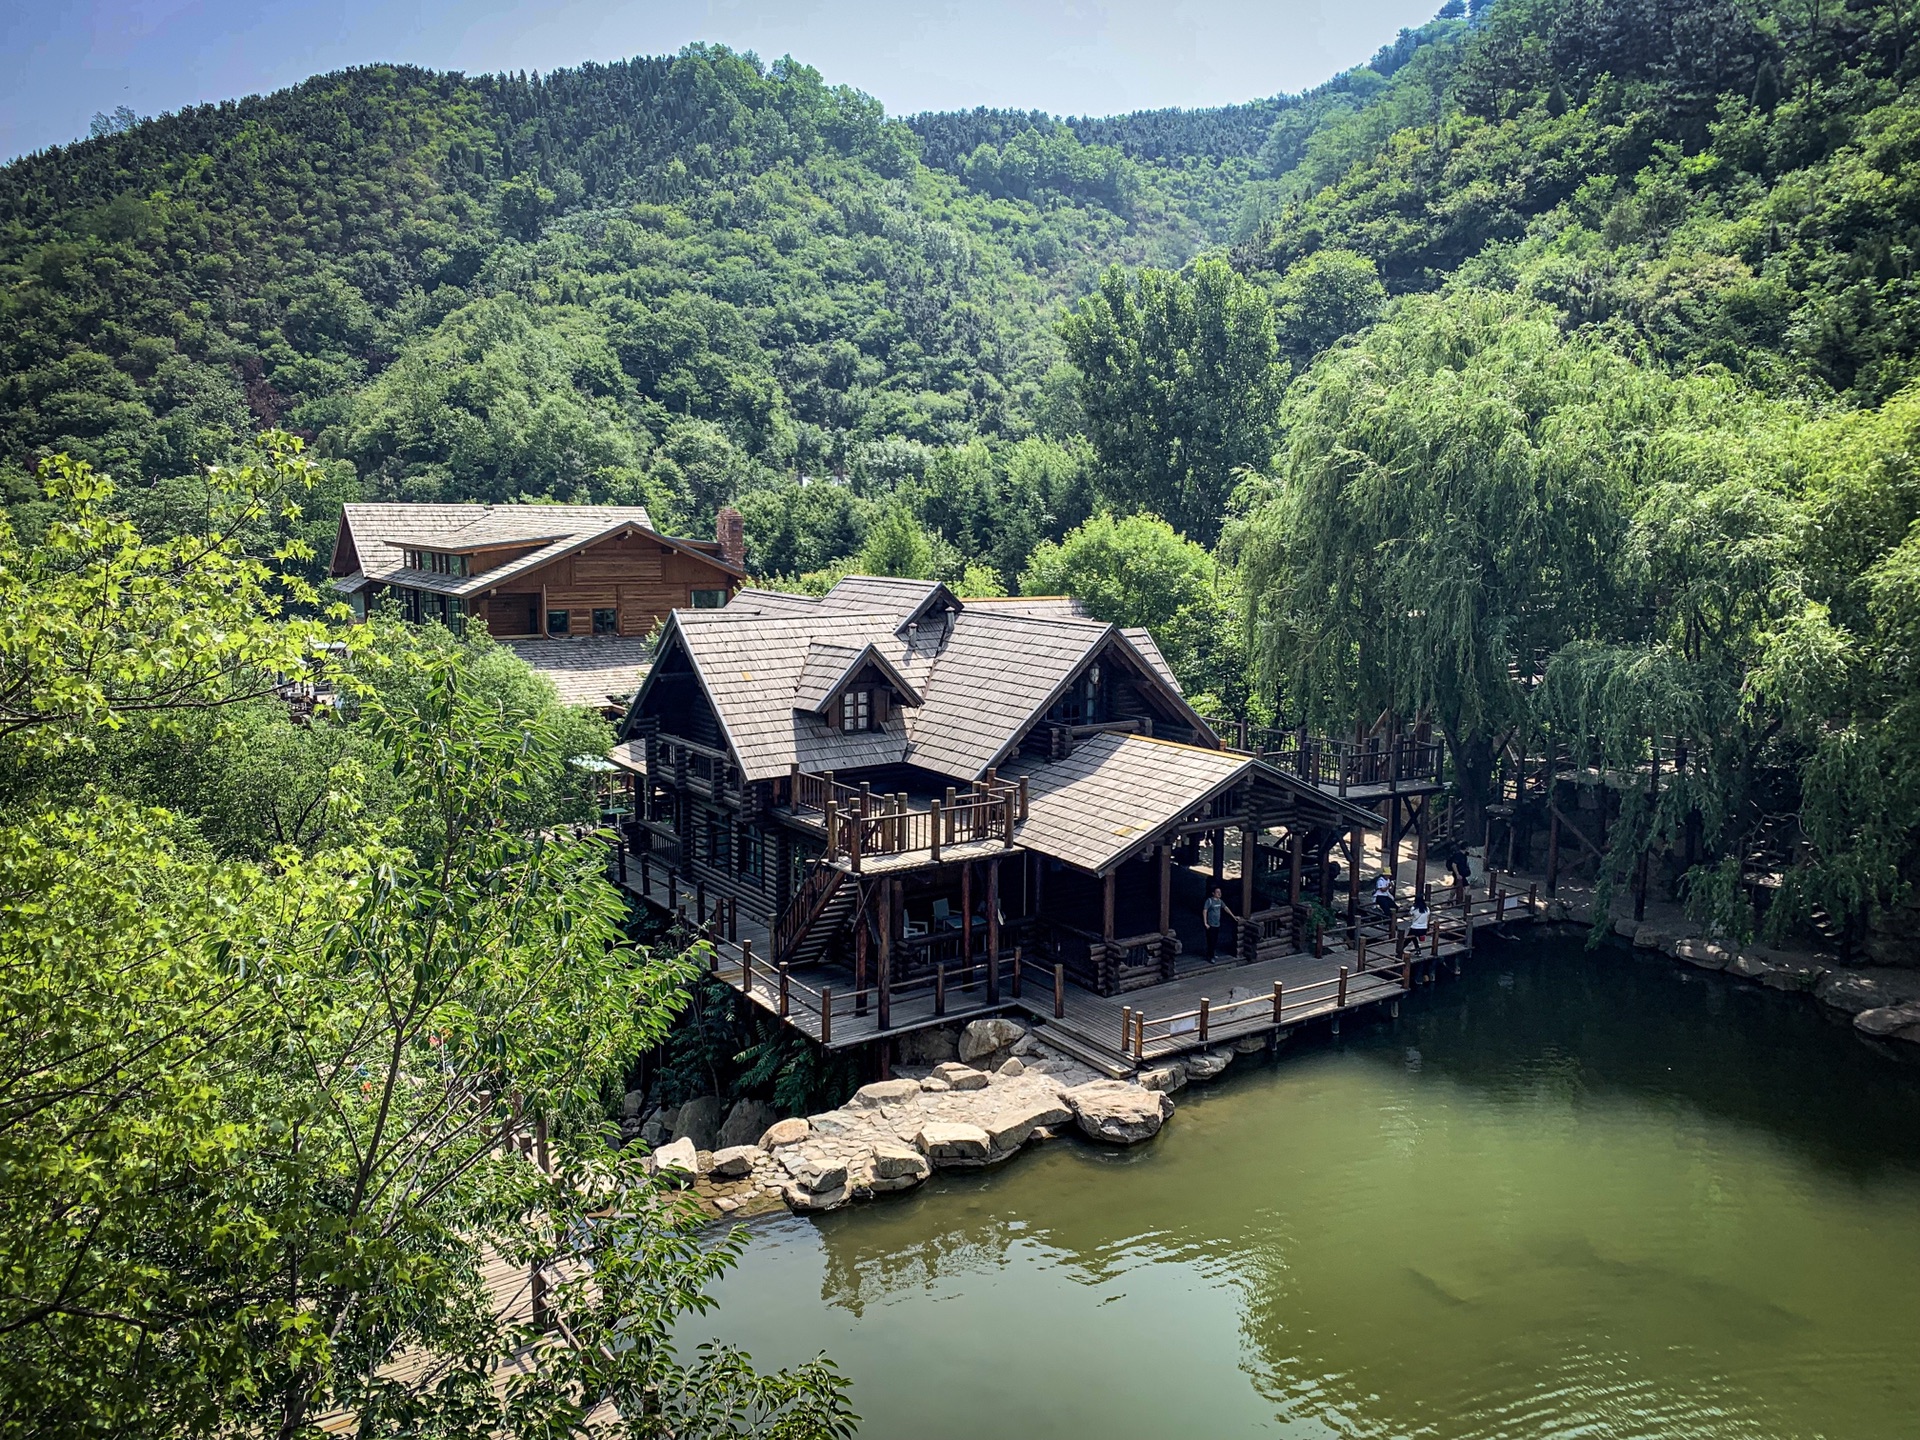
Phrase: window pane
pixel 558 622
pixel 605 622
pixel 709 599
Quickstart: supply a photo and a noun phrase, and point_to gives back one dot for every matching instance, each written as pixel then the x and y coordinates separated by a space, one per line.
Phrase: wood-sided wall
pixel 634 575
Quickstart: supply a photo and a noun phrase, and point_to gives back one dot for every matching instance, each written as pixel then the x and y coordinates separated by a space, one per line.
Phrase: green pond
pixel 1568 1194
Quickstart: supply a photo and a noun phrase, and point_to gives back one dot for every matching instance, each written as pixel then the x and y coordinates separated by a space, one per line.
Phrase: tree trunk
pixel 1473 779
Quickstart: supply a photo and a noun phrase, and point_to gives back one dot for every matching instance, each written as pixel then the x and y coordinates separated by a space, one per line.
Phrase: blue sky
pixel 66 59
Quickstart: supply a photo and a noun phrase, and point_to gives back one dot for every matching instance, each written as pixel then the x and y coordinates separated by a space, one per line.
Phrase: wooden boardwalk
pixel 1202 1006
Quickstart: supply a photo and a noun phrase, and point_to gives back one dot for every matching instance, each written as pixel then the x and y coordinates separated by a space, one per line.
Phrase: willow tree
pixel 1448 508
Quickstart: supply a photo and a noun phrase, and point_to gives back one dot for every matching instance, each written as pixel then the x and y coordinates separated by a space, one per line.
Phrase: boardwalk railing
pixel 1335 764
pixel 1144 1035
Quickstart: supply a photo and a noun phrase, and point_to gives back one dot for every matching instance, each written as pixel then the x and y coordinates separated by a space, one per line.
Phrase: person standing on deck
pixel 1211 910
pixel 1417 924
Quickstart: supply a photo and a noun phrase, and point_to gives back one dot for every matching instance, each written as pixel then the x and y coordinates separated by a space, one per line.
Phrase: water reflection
pixel 1605 1198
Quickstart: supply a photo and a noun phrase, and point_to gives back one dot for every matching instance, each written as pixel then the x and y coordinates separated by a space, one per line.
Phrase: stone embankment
pixel 1883 1001
pixel 1002 1091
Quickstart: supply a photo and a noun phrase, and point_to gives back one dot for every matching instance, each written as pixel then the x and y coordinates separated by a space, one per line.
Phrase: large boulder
pixel 699 1121
pixel 949 1145
pixel 734 1163
pixel 1118 1113
pixel 745 1123
pixel 1891 1022
pixel 1207 1065
pixel 896 1167
pixel 1853 992
pixel 986 1043
pixel 1776 971
pixel 885 1092
pixel 1700 951
pixel 632 1103
pixel 813 1170
pixel 1012 1067
pixel 960 1077
pixel 1013 1126
pixel 785 1132
pixel 677 1161
pixel 1165 1078
pixel 927 1047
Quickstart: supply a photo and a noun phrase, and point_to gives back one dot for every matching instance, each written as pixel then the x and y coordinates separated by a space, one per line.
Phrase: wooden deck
pixel 1201 1007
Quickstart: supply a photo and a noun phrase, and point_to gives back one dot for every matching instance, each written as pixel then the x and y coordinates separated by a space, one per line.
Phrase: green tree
pixel 261 1123
pixel 896 544
pixel 1135 571
pixel 1449 507
pixel 1180 383
pixel 1324 298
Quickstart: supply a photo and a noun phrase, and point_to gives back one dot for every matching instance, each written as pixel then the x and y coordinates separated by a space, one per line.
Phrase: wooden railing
pixel 1336 764
pixel 994 979
pixel 813 896
pixel 863 823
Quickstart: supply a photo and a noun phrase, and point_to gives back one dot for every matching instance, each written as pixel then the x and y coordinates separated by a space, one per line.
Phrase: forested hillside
pixel 1547 373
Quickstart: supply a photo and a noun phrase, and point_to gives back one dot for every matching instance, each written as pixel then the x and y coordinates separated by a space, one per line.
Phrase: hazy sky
pixel 66 59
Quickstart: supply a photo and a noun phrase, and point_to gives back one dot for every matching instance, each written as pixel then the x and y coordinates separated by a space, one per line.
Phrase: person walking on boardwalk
pixel 1417 926
pixel 1211 910
pixel 1383 896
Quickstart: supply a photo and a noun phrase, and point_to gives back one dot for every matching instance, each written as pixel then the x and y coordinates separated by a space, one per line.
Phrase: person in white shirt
pixel 1418 924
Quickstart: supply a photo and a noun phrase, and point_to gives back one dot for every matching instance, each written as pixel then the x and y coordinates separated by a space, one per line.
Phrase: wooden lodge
pixel 891 808
pixel 533 571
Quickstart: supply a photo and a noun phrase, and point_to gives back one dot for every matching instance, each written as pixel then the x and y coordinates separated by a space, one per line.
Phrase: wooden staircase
pixel 817 913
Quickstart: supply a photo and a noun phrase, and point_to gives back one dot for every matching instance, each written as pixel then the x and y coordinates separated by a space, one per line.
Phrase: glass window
pixel 709 599
pixel 753 853
pixel 856 710
pixel 605 622
pixel 559 622
pixel 718 836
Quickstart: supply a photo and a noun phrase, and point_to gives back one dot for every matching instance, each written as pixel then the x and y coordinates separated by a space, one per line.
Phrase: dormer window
pixel 856 710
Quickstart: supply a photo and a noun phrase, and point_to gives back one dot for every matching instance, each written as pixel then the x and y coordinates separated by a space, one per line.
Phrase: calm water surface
pixel 1568 1195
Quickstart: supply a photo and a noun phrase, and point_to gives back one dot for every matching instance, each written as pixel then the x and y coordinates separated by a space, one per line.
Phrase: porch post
pixel 993 931
pixel 1247 853
pixel 1166 888
pixel 1553 846
pixel 860 958
pixel 886 953
pixel 1420 844
pixel 1297 858
pixel 1392 857
pixel 1357 840
pixel 1219 839
pixel 966 911
pixel 1106 909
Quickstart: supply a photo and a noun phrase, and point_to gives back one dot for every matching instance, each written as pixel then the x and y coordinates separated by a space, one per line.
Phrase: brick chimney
pixel 731 531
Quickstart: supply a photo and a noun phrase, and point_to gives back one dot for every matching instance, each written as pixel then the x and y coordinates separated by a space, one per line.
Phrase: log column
pixel 993 931
pixel 1420 845
pixel 886 953
pixel 1248 850
pixel 966 913
pixel 861 926
pixel 1166 888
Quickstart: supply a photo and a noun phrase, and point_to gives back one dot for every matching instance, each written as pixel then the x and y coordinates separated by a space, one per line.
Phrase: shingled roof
pixel 1098 806
pixel 1100 803
pixel 381 534
pixel 974 681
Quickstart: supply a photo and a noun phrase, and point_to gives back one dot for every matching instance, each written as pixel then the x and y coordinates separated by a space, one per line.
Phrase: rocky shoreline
pixel 1882 1001
pixel 1002 1091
